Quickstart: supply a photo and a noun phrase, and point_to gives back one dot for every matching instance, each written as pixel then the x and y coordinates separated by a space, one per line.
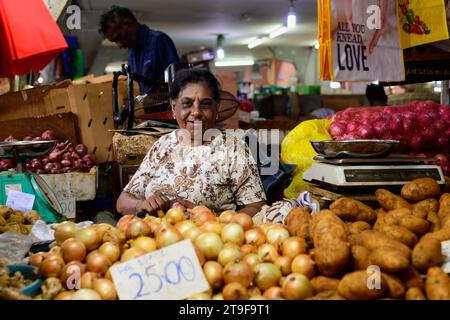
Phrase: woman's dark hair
pixel 376 95
pixel 115 15
pixel 188 76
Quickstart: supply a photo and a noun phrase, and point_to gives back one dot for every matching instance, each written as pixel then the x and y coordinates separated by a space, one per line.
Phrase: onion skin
pixel 69 271
pixel 64 231
pixel 105 288
pixel 73 250
pixel 89 236
pixel 210 244
pixel 293 246
pixel 303 264
pixel 297 287
pixel 273 293
pixel 266 275
pixel 233 233
pixel 244 220
pixel 214 274
pixel 238 272
pixel 235 291
pixel 110 250
pixel 65 295
pixel 98 263
pixel 86 294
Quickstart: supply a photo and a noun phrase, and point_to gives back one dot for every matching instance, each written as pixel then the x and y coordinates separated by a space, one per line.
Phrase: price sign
pixel 19 200
pixel 68 206
pixel 446 254
pixel 171 273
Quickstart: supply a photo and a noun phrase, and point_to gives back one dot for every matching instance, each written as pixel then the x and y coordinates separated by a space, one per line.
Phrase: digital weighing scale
pixel 359 175
pixel 45 202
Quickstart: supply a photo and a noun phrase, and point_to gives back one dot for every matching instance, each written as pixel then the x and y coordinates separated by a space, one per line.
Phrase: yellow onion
pixel 102 228
pixel 213 226
pixel 255 237
pixel 273 293
pixel 37 259
pixel 293 246
pixel 304 264
pixel 123 222
pixel 277 235
pixel 284 264
pixel 192 233
pixel 65 295
pixel 235 291
pixel 98 263
pixel 131 254
pixel 217 296
pixel 214 274
pixel 244 220
pixel 210 244
pixel 175 215
pixel 233 233
pixel 200 255
pixel 145 243
pixel 184 226
pixel 64 231
pixel 105 288
pixel 200 296
pixel 111 250
pixel 248 248
pixel 297 287
pixel 51 268
pixel 87 279
pixel 266 275
pixel 86 294
pixel 254 291
pixel 252 260
pixel 72 270
pixel 90 237
pixel 137 228
pixel 166 236
pixel 229 254
pixel 225 216
pixel 116 236
pixel 268 252
pixel 73 250
pixel 238 271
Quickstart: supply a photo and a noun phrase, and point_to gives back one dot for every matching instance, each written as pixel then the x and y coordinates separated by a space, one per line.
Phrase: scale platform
pixel 356 175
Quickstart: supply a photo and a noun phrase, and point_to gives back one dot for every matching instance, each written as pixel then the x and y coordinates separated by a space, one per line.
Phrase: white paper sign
pixel 19 200
pixel 9 187
pixel 446 254
pixel 68 206
pixel 171 273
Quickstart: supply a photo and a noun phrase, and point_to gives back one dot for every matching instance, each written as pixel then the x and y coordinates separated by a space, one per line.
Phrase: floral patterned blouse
pixel 220 175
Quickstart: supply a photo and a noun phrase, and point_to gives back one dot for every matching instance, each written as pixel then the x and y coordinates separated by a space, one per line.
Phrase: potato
pixel 411 278
pixel 414 224
pixel 2 221
pixel 355 286
pixel 429 204
pixel 444 201
pixel 441 235
pixel 445 222
pixel 437 284
pixel 389 259
pixel 400 234
pixel 331 249
pixel 426 254
pixel 434 220
pixel 5 212
pixel 396 289
pixel 360 258
pixel 298 223
pixel 16 217
pixel 327 295
pixel 390 201
pixel 420 189
pixel 321 284
pixel 352 210
pixel 414 294
pixel 31 216
pixel 420 212
pixel 373 240
pixel 357 227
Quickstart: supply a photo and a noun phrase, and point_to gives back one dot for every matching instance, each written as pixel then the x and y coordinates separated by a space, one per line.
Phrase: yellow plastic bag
pixel 421 22
pixel 296 149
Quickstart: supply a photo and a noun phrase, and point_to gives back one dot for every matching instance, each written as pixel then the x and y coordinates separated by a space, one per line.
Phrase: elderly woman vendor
pixel 185 166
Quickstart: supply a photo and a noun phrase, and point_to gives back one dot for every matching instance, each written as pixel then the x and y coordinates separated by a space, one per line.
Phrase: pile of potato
pixel 17 221
pixel 351 242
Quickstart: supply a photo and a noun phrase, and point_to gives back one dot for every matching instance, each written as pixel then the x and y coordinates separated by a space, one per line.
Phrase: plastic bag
pixel 296 149
pixel 14 247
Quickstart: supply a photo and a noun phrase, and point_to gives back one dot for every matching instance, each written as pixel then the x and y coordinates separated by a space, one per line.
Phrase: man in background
pixel 150 52
pixel 376 95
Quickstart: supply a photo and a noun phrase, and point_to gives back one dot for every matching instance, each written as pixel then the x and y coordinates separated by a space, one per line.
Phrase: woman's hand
pixel 155 202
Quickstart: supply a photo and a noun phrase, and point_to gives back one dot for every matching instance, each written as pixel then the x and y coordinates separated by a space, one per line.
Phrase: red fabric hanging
pixel 29 37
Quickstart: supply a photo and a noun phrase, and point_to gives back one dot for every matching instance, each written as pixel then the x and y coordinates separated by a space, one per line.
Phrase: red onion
pixel 49 166
pixel 66 163
pixel 45 160
pixel 10 139
pixel 41 171
pixel 48 135
pixel 74 155
pixel 67 156
pixel 36 165
pixel 37 139
pixel 55 171
pixel 27 138
pixel 77 164
pixel 88 161
pixel 81 149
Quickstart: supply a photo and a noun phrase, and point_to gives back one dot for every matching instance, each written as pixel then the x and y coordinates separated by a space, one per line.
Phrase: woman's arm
pixel 128 204
pixel 252 208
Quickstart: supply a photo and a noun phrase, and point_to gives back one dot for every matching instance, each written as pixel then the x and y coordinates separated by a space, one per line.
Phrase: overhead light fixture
pixel 220 53
pixel 277 32
pixel 255 43
pixel 316 45
pixel 335 85
pixel 234 63
pixel 291 18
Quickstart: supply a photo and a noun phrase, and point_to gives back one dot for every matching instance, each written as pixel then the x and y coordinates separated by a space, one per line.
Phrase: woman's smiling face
pixel 195 108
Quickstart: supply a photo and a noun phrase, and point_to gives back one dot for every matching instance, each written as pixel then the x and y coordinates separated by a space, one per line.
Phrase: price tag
pixel 171 273
pixel 68 206
pixel 446 253
pixel 17 187
pixel 19 200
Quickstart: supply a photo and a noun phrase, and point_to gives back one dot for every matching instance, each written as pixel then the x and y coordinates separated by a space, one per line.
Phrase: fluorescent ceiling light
pixel 220 54
pixel 335 85
pixel 291 18
pixel 316 45
pixel 234 63
pixel 277 32
pixel 255 43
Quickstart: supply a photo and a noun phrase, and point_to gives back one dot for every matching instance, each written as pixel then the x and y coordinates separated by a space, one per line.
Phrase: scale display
pixel 386 175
